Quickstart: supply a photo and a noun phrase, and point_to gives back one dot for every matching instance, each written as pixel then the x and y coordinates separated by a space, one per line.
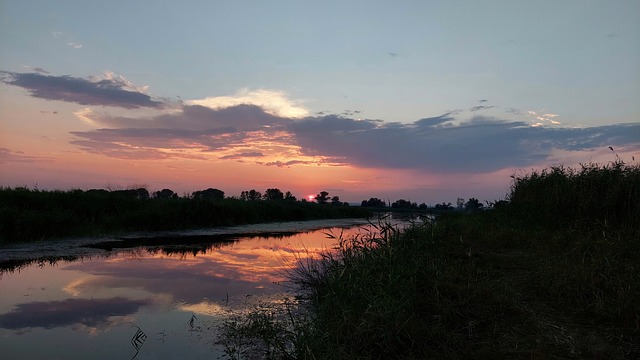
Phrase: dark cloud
pixel 242 155
pixel 437 144
pixel 282 164
pixel 40 70
pixel 106 92
pixel 479 145
pixel 172 138
pixel 8 156
pixel 433 121
pixel 194 127
pixel 197 117
pixel 481 107
pixel 52 314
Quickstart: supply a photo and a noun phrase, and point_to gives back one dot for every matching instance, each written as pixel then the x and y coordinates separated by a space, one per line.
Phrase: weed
pixel 552 274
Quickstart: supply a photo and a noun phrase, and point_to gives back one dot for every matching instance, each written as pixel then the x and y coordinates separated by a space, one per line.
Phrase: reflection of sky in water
pixel 86 309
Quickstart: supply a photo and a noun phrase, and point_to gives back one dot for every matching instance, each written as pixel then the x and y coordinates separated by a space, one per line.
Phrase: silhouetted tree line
pixel 444 206
pixel 27 214
pixel 374 203
pixel 274 194
pixel 323 198
pixel 472 204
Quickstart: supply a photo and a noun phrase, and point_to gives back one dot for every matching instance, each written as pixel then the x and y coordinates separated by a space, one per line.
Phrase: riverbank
pixel 531 279
pixel 14 255
pixel 470 286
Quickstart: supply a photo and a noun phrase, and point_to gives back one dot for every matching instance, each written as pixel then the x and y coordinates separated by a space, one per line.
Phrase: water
pixel 176 296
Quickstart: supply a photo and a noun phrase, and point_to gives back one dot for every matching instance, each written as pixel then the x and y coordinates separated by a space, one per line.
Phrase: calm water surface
pixel 176 296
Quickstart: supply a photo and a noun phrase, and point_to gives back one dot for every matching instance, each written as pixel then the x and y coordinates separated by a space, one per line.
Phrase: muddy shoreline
pixel 14 255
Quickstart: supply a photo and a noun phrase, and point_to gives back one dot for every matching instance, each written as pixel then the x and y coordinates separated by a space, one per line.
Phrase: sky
pixel 421 100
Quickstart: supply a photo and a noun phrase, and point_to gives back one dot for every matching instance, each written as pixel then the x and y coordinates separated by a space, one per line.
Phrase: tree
pixel 500 204
pixel 165 194
pixel 335 201
pixel 273 194
pixel 404 204
pixel 423 206
pixel 251 195
pixel 140 193
pixel 211 194
pixel 473 204
pixel 323 197
pixel 289 196
pixel 373 202
pixel 444 206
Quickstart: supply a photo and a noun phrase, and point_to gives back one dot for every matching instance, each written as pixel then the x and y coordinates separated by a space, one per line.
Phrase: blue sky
pixel 501 86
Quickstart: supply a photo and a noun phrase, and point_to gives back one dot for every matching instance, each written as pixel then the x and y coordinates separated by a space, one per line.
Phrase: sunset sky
pixel 421 100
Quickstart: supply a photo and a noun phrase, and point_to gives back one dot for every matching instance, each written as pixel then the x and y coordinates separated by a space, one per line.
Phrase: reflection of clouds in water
pixel 89 313
pixel 248 266
pixel 205 307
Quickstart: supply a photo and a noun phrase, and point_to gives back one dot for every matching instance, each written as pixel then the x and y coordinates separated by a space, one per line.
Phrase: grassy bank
pixel 552 274
pixel 29 214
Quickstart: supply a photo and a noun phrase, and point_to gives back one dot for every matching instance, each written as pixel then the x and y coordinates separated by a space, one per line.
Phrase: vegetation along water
pixel 32 214
pixel 551 272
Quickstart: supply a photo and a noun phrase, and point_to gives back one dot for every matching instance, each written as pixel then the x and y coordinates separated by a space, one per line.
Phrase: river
pixel 162 301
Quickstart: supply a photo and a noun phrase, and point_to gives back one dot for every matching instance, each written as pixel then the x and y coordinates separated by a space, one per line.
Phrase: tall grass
pixel 591 244
pixel 594 195
pixel 554 274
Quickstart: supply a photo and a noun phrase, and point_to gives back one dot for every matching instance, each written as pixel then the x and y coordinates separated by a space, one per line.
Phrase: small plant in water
pixel 138 340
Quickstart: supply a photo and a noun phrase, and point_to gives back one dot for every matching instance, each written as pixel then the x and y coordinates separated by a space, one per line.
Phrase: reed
pixel 594 195
pixel 519 281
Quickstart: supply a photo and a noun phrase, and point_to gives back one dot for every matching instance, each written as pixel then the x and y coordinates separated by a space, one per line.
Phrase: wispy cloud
pixel 70 42
pixel 108 91
pixel 242 155
pixel 7 156
pixel 282 164
pixel 481 107
pixel 36 69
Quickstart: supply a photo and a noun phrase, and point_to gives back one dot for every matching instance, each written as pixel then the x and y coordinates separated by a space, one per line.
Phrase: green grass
pixel 554 274
pixel 29 214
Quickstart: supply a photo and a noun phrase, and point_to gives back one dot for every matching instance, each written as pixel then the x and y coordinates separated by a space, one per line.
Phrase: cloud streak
pixel 195 132
pixel 440 144
pixel 108 91
pixel 8 156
